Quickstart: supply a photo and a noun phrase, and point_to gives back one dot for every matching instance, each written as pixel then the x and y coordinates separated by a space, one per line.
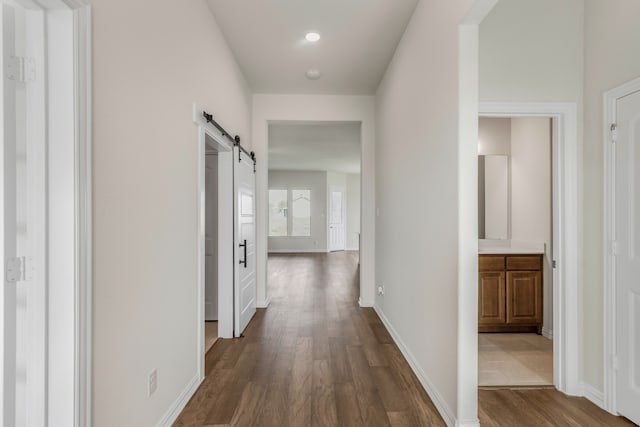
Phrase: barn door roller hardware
pixel 235 140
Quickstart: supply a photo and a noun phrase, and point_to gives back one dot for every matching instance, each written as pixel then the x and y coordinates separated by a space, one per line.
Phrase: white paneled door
pixel 245 241
pixel 627 261
pixel 22 297
pixel 337 226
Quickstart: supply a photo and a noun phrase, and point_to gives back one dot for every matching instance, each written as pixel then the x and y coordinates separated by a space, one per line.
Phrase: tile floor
pixel 524 360
pixel 210 334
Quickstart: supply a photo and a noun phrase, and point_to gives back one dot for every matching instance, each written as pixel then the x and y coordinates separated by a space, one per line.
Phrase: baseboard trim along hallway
pixel 444 410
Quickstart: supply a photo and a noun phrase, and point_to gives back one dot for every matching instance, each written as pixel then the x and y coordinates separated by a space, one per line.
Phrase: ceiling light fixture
pixel 313 74
pixel 312 37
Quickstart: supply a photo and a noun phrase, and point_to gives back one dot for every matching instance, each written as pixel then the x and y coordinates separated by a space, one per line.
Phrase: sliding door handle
pixel 244 245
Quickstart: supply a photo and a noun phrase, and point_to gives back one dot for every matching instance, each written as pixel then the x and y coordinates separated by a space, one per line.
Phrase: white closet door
pixel 337 232
pixel 245 241
pixel 627 267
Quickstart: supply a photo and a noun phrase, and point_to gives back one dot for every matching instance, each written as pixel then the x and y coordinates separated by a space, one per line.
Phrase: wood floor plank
pixel 323 402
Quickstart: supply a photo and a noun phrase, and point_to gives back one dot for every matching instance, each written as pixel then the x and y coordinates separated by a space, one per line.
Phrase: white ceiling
pixel 317 146
pixel 358 41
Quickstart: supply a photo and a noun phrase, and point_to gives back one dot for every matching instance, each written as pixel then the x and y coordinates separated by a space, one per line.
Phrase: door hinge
pixel 554 264
pixel 21 69
pixel 614 132
pixel 19 269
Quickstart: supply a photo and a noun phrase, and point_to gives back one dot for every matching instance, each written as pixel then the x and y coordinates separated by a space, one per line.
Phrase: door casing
pixel 566 339
pixel 66 38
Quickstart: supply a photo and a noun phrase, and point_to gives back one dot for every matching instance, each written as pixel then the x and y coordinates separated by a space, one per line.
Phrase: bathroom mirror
pixel 493 197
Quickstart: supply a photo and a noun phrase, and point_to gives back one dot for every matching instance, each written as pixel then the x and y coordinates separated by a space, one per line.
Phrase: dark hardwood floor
pixel 315 358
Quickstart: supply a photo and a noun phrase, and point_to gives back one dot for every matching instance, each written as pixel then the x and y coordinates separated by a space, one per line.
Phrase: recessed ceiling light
pixel 313 74
pixel 312 37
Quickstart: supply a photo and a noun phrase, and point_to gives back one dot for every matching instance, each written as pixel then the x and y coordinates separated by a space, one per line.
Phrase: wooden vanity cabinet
pixel 510 293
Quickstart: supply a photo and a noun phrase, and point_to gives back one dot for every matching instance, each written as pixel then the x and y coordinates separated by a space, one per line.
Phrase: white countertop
pixel 509 247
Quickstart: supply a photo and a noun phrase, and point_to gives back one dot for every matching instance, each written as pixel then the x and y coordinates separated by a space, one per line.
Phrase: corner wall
pixel 417 194
pixel 151 62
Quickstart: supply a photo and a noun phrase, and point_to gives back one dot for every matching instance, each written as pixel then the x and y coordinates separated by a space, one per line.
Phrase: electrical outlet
pixel 152 384
pixel 381 290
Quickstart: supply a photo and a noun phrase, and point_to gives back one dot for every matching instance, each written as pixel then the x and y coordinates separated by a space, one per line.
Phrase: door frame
pixel 610 99
pixel 566 338
pixel 80 295
pixel 210 135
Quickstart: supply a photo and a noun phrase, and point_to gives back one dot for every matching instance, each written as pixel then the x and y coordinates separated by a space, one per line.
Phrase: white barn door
pixel 627 260
pixel 245 241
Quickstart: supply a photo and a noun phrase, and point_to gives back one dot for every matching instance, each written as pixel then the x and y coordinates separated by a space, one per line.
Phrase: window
pixel 301 212
pixel 278 212
pixel 280 215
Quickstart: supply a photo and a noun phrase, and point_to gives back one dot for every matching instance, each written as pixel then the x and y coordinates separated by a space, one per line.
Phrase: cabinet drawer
pixel 530 263
pixel 491 262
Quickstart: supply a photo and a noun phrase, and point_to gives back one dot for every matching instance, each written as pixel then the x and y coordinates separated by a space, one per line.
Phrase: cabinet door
pixel 491 288
pixel 524 297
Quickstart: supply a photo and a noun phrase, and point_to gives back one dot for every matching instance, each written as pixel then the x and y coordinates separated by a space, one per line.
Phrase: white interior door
pixel 22 319
pixel 245 241
pixel 211 237
pixel 337 232
pixel 627 261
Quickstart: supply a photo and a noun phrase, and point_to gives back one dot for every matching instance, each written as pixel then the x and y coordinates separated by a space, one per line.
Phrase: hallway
pixel 315 358
pixel 312 358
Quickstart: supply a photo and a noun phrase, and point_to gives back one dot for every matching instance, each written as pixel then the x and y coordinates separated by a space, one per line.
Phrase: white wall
pixel 151 62
pixel 417 162
pixel 532 51
pixel 531 194
pixel 612 37
pixel 353 210
pixel 316 181
pixel 273 108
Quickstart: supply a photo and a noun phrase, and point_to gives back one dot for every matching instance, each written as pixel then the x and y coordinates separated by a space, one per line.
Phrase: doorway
pixel 564 313
pixel 515 306
pixel 211 248
pixel 313 192
pixel 215 231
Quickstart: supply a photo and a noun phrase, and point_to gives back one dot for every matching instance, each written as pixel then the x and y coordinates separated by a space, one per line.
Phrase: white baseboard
pixel 263 303
pixel 362 303
pixel 297 251
pixel 593 394
pixel 547 333
pixel 174 410
pixel 442 407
